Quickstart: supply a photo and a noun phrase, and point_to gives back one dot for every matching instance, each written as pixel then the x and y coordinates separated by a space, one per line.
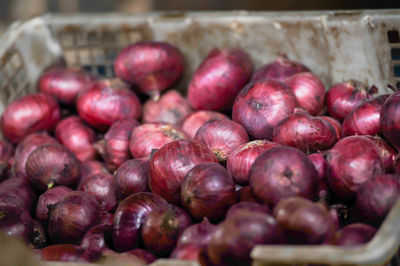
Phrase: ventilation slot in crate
pixel 394 41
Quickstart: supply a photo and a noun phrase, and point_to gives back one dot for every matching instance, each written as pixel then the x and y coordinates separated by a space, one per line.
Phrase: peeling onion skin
pixel 193 122
pixel 242 158
pixel 106 102
pixel 170 164
pixel 29 114
pixel 16 222
pixel 147 138
pixel 131 177
pixel 172 108
pixel 77 137
pixel 219 78
pixel 389 120
pixel 335 123
pixel 151 66
pixel 221 136
pixel 261 105
pixel 283 172
pixel 47 199
pixel 364 120
pixel 17 192
pixel 354 235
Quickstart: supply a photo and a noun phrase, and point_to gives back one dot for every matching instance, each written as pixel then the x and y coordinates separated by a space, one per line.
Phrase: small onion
pixel 245 194
pixel 193 122
pixel 6 153
pixel 354 234
pixel 389 121
pixel 38 237
pixel 89 168
pixel 197 234
pixel 131 177
pixel 49 198
pixel 245 206
pixel 97 239
pixel 186 252
pixel 16 222
pixel 335 123
pixel 17 192
pixel 65 253
pixel 142 254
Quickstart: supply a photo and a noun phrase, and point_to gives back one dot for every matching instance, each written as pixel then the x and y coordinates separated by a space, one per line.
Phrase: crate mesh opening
pixel 394 36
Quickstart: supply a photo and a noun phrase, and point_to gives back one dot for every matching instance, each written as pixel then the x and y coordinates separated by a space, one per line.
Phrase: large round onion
pixel 64 84
pixel 208 191
pixel 16 222
pixel 352 161
pixel 170 164
pixel 78 137
pixel 281 69
pixel 152 66
pixel 65 253
pixel 390 120
pixel 17 192
pixel 197 119
pixel 106 102
pixel 147 138
pixel 51 165
pixel 72 217
pixel 219 78
pixel 261 105
pixel 335 123
pixel 309 91
pixel 283 172
pixel 47 199
pixel 197 234
pixel 6 153
pixel 131 177
pixel 31 113
pixel 129 217
pixel 354 234
pixel 172 108
pixel 364 120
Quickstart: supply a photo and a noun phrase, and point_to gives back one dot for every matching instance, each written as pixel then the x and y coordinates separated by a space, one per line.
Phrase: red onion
pixel 65 253
pixel 129 217
pixel 38 237
pixel 364 120
pixel 389 120
pixel 344 97
pixel 335 123
pixel 376 197
pixel 351 162
pixel 97 239
pixel 354 234
pixel 49 198
pixel 245 194
pixel 281 69
pixel 72 217
pixel 208 191
pixel 89 168
pixel 6 153
pixel 309 91
pixel 233 240
pixel 106 218
pixel 17 192
pixel 321 166
pixel 52 165
pixel 170 164
pixel 116 143
pixel 162 228
pixel 172 108
pixel 25 147
pixel 261 105
pixel 221 136
pixel 245 206
pixel 303 221
pixel 340 214
pixel 78 137
pixel 193 122
pixel 385 151
pixel 31 113
pixel 152 66
pixel 242 158
pixel 283 172
pixel 186 252
pixel 219 78
pixel 131 177
pixel 101 186
pixel 305 132
pixel 64 84
pixel 16 222
pixel 197 234
pixel 107 102
pixel 149 137
pixel 146 256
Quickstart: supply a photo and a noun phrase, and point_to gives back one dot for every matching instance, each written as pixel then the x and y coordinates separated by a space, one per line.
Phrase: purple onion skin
pixel 90 168
pixel 242 158
pixel 193 122
pixel 221 136
pixel 385 151
pixel 281 69
pixel 245 194
pixel 375 198
pixel 131 177
pixel 364 120
pixel 6 152
pixel 102 187
pixel 283 172
pixel 162 228
pixel 65 253
pixel 197 234
pixel 170 164
pixel 17 192
pixel 233 240
pixel 142 254
pixel 351 162
pixel 354 235
pixel 261 105
pixel 16 222
pixel 49 198
pixel 335 123
pixel 245 206
pixel 97 239
pixel 321 166
pixel 52 165
pixel 340 214
pixel 72 217
pixel 208 191
pixel 38 237
pixel 106 218
pixel 389 120
pixel 129 217
pixel 219 78
pixel 187 252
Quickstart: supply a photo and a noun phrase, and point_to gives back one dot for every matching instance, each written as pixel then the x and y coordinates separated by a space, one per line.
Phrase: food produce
pixel 48 199
pixel 354 234
pixel 97 239
pixel 197 234
pixel 16 222
pixel 389 120
pixel 244 206
pixel 6 153
pixel 17 192
pixel 193 122
pixel 131 177
pixel 65 253
pixel 38 237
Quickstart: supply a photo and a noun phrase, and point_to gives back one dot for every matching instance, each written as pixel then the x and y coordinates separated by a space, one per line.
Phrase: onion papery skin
pixel 78 137
pixel 107 102
pixel 170 164
pixel 29 114
pixel 335 123
pixel 6 153
pixel 389 120
pixel 129 217
pixel 261 105
pixel 17 192
pixel 151 66
pixel 244 206
pixel 219 78
pixel 147 138
pixel 16 222
pixel 65 253
pixel 283 172
pixel 197 234
pixel 385 151
pixel 48 199
pixel 131 177
pixel 193 122
pixel 354 235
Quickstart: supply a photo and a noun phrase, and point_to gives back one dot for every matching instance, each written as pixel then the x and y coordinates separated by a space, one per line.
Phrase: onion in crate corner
pixel 354 234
